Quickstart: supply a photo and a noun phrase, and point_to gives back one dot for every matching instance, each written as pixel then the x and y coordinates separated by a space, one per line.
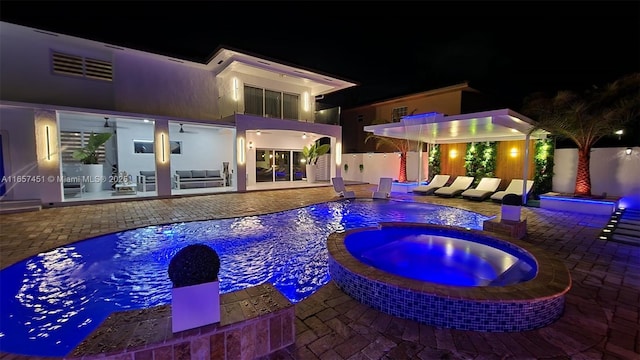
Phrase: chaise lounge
pixel 485 188
pixel 515 187
pixel 338 186
pixel 460 184
pixel 384 189
pixel 436 183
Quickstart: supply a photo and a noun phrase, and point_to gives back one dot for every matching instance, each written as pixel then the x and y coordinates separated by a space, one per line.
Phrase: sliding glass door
pixel 277 165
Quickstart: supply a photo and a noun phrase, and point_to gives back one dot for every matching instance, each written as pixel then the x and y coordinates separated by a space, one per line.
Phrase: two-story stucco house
pixel 176 126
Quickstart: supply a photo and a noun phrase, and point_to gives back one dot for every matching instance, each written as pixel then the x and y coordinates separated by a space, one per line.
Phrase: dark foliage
pixel 194 264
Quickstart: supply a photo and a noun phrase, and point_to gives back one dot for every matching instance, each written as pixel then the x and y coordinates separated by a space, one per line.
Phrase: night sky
pixel 504 49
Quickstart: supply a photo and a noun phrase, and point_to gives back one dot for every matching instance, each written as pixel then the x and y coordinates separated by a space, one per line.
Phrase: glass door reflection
pixel 282 165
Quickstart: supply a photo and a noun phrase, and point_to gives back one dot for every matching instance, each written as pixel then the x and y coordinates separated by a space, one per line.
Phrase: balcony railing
pixel 327 114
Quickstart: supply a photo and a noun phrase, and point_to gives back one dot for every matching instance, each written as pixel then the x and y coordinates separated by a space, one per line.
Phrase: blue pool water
pixel 49 303
pixel 424 254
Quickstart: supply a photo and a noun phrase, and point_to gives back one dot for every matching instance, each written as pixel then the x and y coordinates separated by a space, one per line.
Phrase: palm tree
pixel 587 117
pixel 401 145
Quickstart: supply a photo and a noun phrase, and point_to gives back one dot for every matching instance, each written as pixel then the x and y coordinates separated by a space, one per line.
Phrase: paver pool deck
pixel 601 318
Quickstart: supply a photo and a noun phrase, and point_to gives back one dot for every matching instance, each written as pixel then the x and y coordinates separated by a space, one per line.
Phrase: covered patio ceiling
pixel 436 128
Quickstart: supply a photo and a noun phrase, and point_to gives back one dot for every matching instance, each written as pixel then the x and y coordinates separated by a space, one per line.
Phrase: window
pixel 71 141
pixel 253 100
pixel 73 65
pixel 290 106
pixel 398 113
pixel 270 103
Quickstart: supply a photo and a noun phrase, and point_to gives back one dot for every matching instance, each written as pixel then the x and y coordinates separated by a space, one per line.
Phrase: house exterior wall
pixel 148 85
pixel 18 130
pixel 142 83
pixel 26 74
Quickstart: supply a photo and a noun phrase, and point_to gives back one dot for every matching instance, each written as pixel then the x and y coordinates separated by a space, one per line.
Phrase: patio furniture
pixel 485 188
pixel 73 185
pixel 146 180
pixel 185 179
pixel 436 183
pixel 460 184
pixel 384 189
pixel 515 187
pixel 338 186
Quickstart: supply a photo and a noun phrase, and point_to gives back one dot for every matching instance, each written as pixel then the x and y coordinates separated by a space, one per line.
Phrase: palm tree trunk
pixel 583 176
pixel 402 176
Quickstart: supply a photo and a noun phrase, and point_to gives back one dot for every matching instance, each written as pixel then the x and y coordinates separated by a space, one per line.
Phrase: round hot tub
pixel 449 277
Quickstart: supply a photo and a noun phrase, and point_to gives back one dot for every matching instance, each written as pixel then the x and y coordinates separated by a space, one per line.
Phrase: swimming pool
pixel 52 301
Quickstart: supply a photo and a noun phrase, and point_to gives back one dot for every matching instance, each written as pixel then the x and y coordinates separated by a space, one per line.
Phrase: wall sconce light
pixel 241 154
pixel 304 136
pixel 162 142
pixel 258 132
pixel 181 129
pixel 628 151
pixel 48 138
pixel 106 122
pixel 250 144
pixel 305 101
pixel 619 133
pixel 513 152
pixel 235 89
pixel 453 154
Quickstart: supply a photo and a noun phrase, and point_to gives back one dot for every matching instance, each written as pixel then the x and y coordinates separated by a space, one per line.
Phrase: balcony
pixel 327 114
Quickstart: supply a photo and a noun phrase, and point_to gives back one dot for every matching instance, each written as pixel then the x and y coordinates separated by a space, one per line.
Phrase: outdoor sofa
pixel 186 179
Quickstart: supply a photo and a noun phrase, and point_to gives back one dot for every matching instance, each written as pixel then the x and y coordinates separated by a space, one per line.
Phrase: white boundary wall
pixel 612 170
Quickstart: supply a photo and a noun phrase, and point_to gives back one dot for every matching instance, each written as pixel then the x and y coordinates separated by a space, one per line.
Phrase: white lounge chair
pixel 384 189
pixel 460 184
pixel 515 187
pixel 485 188
pixel 338 186
pixel 436 183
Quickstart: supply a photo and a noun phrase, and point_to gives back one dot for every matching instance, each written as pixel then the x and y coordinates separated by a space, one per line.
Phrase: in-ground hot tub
pixel 449 277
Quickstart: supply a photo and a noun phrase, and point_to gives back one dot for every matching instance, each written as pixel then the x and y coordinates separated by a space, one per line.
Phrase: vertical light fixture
pixel 241 153
pixel 162 141
pixel 235 89
pixel 305 101
pixel 338 153
pixel 48 139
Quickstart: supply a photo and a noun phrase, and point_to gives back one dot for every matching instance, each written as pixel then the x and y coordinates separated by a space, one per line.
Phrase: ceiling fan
pixel 183 131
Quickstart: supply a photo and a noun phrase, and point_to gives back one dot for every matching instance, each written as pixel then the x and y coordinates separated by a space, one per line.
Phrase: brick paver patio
pixel 601 319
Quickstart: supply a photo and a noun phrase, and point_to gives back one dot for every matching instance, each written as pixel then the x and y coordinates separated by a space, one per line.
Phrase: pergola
pixel 436 128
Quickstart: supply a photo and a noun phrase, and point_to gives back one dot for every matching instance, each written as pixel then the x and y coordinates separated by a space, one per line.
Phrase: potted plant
pixel 195 295
pixel 311 155
pixel 88 156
